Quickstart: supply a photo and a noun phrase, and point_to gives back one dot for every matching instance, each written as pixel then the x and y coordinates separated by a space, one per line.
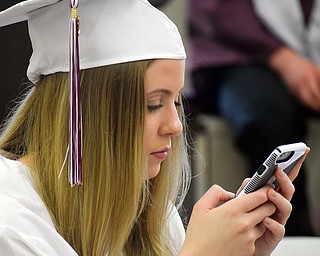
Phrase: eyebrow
pixel 165 91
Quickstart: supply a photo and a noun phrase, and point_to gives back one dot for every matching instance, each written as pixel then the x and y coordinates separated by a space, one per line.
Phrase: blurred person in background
pixel 256 63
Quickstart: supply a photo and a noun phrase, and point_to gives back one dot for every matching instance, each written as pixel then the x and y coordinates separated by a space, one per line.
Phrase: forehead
pixel 165 74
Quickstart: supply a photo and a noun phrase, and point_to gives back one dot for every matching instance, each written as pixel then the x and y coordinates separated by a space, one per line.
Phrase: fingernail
pixel 267 221
pixel 232 195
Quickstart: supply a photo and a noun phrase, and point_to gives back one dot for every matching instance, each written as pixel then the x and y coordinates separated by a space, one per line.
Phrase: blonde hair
pixel 117 210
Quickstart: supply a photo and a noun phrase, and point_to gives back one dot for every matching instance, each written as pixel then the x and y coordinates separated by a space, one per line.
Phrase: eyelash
pixel 152 108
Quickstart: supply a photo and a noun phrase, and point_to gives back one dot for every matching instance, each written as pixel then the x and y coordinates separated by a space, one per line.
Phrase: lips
pixel 163 154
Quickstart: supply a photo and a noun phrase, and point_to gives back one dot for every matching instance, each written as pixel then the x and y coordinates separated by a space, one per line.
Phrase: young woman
pixel 135 167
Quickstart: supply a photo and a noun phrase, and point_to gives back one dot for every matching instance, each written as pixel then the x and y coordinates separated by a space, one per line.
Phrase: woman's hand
pixel 275 224
pixel 250 225
pixel 231 228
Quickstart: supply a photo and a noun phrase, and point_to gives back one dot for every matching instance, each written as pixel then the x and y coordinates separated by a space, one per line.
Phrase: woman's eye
pixel 154 107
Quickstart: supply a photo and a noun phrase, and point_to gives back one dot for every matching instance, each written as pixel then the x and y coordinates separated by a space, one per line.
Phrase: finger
pixel 308 97
pixel 284 207
pixel 260 213
pixel 277 230
pixel 213 197
pixel 244 182
pixel 260 228
pixel 310 100
pixel 309 88
pixel 294 173
pixel 285 185
pixel 252 200
pixel 315 86
pixel 318 77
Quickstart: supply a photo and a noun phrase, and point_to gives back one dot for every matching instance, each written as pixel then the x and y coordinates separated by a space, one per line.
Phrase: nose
pixel 172 124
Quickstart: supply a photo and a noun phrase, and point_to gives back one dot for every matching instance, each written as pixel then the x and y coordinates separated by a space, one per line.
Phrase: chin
pixel 153 172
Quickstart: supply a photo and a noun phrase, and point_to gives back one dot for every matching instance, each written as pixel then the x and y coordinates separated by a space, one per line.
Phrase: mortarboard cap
pixel 112 31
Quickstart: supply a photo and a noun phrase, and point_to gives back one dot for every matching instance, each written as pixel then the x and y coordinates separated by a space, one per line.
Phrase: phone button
pixel 261 169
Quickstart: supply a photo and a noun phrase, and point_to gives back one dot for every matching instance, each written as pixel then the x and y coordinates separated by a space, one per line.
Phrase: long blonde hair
pixel 117 210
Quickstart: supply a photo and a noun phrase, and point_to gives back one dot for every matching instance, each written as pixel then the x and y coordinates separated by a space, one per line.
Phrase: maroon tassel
pixel 75 132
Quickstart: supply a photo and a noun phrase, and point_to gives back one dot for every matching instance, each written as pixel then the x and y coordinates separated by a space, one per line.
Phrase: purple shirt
pixel 227 32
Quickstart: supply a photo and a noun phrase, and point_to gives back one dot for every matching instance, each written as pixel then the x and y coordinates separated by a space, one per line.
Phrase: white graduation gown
pixel 25 225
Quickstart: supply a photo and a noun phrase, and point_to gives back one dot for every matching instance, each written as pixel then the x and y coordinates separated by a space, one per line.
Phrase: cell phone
pixel 284 157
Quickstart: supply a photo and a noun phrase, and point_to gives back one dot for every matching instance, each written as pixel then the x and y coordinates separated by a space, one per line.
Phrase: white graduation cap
pixel 111 32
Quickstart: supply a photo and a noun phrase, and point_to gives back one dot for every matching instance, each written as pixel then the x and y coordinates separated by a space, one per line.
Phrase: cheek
pixel 146 135
pixel 149 131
